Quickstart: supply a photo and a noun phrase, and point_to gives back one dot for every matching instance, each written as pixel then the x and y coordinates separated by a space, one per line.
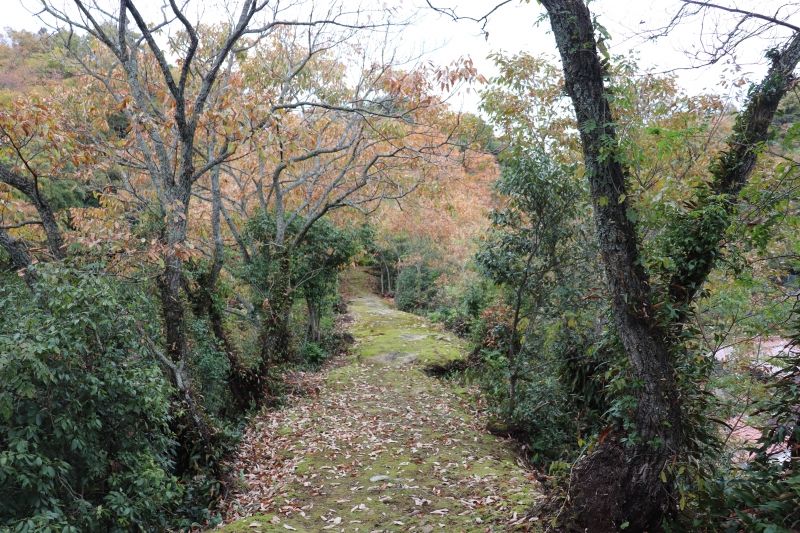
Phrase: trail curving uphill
pixel 381 446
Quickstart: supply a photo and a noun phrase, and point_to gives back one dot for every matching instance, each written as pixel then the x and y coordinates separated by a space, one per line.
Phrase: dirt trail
pixel 382 446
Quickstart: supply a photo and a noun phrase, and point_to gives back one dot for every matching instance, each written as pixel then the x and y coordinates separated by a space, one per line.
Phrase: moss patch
pixel 394 336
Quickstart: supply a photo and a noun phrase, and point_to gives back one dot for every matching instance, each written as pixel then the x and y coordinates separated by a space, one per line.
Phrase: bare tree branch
pixel 747 14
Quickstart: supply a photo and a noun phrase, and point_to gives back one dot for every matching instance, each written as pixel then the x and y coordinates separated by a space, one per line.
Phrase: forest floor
pixel 378 445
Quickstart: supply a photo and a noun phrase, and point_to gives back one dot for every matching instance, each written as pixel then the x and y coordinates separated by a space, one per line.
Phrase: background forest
pixel 179 200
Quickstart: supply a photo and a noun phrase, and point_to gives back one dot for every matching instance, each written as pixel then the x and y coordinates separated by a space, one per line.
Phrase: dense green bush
pixel 85 443
pixel 540 415
pixel 315 261
pixel 532 254
pixel 546 410
pixel 312 353
pixel 416 287
pixel 459 307
pixel 209 368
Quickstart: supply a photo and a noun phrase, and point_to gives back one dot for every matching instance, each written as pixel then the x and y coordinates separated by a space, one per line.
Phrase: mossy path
pixel 380 446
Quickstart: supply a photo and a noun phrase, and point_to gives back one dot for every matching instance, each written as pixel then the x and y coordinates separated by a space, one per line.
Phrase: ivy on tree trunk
pixel 628 484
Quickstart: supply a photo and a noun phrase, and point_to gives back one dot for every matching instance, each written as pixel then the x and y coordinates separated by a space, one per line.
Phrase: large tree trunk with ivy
pixel 275 336
pixel 628 485
pixel 614 485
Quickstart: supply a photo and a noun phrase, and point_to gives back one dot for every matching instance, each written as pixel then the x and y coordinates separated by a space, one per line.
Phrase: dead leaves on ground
pixel 379 448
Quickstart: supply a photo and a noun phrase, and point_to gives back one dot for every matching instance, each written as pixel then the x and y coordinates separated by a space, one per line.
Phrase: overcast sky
pixel 514 28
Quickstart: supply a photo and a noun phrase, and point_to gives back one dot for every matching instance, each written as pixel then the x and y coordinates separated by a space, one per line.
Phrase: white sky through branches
pixel 514 28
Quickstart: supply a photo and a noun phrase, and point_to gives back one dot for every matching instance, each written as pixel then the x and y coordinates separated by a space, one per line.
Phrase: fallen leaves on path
pixel 381 447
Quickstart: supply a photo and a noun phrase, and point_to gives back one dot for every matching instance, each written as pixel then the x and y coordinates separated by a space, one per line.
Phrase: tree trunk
pixel 275 335
pixel 618 484
pixel 30 188
pixel 696 255
pixel 172 309
pixel 242 382
pixel 192 429
pixel 195 434
pixel 513 352
pixel 313 333
pixel 515 342
pixel 20 257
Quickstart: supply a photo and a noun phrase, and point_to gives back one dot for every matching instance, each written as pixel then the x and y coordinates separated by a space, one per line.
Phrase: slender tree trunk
pixel 172 309
pixel 236 235
pixel 313 333
pixel 208 281
pixel 514 348
pixel 515 343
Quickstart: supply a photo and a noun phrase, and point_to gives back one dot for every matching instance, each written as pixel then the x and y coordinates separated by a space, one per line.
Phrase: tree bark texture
pixel 313 332
pixel 20 257
pixel 275 334
pixel 30 188
pixel 617 484
pixel 170 280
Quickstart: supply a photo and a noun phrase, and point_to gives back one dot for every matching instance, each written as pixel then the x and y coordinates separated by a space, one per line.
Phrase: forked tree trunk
pixel 626 484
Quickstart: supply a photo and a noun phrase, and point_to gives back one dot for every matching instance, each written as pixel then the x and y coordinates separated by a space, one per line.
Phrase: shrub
pixel 312 353
pixel 84 413
pixel 209 367
pixel 540 415
pixel 495 328
pixel 460 306
pixel 416 288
